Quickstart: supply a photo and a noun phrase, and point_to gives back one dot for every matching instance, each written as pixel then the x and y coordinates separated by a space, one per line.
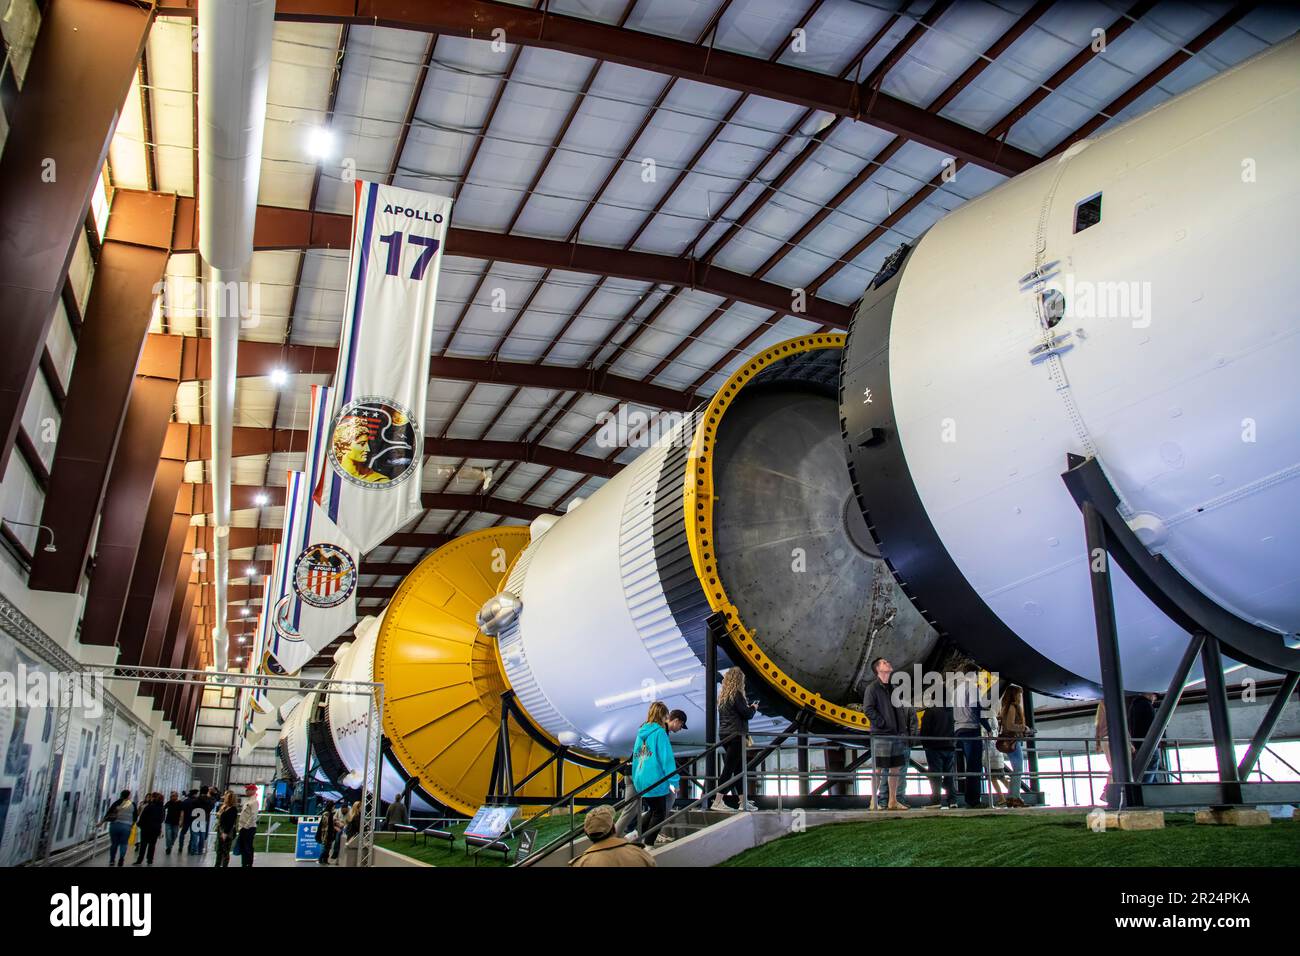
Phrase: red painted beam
pixel 195 439
pixel 80 70
pixel 257 359
pixel 278 228
pixel 126 510
pixel 243 496
pixel 661 54
pixel 108 351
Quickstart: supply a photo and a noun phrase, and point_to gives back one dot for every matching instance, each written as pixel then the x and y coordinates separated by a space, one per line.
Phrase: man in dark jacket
pixel 174 809
pixel 1141 715
pixel 888 733
pixel 940 755
pixel 188 808
pixel 150 823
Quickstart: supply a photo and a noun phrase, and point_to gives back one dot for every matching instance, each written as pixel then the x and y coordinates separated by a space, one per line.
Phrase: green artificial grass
pixel 436 852
pixel 1028 840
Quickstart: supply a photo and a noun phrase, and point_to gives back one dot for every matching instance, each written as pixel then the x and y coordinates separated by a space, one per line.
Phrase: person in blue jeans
pixel 652 763
pixel 120 817
pixel 970 720
pixel 174 808
pixel 1011 723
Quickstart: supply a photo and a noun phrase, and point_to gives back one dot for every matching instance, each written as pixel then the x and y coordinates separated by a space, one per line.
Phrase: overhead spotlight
pixel 320 142
pixel 279 376
pixel 243 640
pixel 262 499
pixel 239 660
pixel 252 571
pixel 243 612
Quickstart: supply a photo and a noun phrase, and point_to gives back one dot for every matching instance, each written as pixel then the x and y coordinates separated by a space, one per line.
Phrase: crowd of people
pixel 338 827
pixel 186 820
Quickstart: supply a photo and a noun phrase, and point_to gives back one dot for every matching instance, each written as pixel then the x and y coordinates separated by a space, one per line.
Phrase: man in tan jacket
pixel 607 848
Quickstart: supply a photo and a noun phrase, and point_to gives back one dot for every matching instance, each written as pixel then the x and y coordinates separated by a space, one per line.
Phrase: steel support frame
pixel 1108 538
pixel 190 677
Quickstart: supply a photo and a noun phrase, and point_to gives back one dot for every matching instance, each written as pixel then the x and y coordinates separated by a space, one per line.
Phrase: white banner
pixel 312 594
pixel 376 445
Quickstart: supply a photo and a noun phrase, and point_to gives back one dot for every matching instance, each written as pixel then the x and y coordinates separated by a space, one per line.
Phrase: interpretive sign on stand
pixel 489 823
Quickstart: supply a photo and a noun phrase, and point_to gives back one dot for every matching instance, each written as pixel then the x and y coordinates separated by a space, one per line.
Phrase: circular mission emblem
pixel 282 620
pixel 324 575
pixel 374 443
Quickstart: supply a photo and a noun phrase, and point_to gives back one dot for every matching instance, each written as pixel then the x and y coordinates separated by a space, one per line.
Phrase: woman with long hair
pixel 227 820
pixel 1011 723
pixel 120 817
pixel 653 770
pixel 734 714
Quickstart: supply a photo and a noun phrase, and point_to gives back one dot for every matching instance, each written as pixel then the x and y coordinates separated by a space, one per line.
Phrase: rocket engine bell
pixel 1133 301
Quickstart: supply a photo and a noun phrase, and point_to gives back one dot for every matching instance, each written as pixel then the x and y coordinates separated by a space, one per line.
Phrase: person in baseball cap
pixel 607 847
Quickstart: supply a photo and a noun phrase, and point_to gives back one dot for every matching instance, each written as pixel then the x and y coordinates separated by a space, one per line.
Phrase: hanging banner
pixel 376 443
pixel 312 594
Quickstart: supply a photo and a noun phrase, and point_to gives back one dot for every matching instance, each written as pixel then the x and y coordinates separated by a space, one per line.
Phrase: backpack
pixel 320 829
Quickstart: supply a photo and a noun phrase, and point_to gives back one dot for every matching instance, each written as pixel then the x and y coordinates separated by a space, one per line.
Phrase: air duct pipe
pixel 234 68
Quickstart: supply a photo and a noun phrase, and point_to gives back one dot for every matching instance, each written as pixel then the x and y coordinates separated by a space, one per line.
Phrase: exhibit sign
pixel 488 823
pixel 305 846
pixel 377 404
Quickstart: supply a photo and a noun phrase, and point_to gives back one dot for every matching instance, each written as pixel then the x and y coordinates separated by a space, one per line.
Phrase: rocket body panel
pixel 1162 339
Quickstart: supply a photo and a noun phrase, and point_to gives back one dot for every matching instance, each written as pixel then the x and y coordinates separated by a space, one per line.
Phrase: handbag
pixel 1007 743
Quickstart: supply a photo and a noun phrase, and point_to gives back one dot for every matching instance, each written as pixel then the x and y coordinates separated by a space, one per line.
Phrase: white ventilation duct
pixel 234 67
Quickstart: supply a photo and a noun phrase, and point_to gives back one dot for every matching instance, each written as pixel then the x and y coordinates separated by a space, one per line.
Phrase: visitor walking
pixel 734 714
pixel 325 831
pixel 654 770
pixel 227 827
pixel 120 817
pixel 631 816
pixel 174 809
pixel 150 824
pixel 189 807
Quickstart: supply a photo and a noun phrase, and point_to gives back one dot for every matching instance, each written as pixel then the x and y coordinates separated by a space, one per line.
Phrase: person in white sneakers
pixel 734 714
pixel 630 818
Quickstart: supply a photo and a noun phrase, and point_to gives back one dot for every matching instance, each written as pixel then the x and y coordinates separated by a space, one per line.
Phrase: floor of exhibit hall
pixel 195 861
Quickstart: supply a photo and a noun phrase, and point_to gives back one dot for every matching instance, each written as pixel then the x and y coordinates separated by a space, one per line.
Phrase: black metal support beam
pixel 1265 730
pixel 1216 701
pixel 1112 675
pixel 1169 702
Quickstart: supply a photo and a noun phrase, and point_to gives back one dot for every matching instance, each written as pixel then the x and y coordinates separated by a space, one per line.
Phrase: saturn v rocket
pixel 1131 300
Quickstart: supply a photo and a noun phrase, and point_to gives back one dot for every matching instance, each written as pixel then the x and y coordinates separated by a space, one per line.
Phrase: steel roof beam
pixel 279 228
pixel 747 74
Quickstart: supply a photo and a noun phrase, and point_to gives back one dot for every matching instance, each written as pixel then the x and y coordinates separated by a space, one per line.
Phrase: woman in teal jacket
pixel 652 761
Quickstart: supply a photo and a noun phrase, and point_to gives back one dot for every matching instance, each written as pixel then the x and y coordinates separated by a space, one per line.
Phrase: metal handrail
pixel 692 761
